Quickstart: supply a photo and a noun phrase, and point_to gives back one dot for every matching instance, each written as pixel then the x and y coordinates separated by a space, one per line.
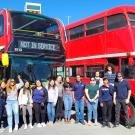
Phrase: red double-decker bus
pixel 33 43
pixel 108 37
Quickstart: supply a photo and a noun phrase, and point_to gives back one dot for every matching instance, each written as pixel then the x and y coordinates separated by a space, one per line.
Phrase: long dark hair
pixel 50 85
pixel 24 88
pixel 110 65
pixel 67 84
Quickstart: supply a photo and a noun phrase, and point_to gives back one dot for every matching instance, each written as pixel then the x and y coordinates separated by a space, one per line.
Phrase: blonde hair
pixel 8 88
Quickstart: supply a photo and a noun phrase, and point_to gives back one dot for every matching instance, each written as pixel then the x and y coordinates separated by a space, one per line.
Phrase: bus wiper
pixel 27 24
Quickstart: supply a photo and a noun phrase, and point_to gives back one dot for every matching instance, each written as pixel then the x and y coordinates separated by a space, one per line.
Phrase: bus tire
pixel 131 113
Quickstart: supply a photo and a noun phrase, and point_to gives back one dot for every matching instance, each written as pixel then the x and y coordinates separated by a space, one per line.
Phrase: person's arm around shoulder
pixel 20 84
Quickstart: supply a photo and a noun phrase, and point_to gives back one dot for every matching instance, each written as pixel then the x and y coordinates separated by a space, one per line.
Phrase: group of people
pixel 50 99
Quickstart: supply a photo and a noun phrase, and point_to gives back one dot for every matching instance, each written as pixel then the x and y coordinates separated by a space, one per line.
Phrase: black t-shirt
pixel 121 88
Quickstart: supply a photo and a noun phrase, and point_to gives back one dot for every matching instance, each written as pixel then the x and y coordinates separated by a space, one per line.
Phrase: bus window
pixel 113 61
pixel 128 70
pixel 132 18
pixel 92 69
pixel 116 21
pixel 34 25
pixel 60 71
pixel 1 25
pixel 76 70
pixel 77 32
pixel 94 27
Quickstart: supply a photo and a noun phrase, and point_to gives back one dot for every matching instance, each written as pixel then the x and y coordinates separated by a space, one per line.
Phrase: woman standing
pixel 68 99
pixel 92 94
pixel 3 96
pixel 105 98
pixel 26 103
pixel 40 97
pixel 52 100
pixel 12 102
pixel 59 106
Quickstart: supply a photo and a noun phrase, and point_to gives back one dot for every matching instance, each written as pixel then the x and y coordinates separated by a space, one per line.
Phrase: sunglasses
pixel 119 76
pixel 92 80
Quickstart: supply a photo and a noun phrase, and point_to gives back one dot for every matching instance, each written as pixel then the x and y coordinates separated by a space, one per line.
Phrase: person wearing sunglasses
pixel 121 98
pixel 92 93
pixel 12 106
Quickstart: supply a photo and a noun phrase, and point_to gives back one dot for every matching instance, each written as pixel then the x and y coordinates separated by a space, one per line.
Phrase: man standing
pixel 122 93
pixel 78 89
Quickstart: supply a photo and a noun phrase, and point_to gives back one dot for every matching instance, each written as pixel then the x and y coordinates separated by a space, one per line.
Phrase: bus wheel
pixel 131 114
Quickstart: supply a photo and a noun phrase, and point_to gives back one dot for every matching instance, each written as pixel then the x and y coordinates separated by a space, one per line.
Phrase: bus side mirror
pixel 130 61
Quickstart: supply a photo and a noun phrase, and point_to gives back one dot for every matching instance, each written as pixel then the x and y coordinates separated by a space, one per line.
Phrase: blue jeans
pixel 12 107
pixel 51 111
pixel 68 105
pixel 79 108
pixel 92 107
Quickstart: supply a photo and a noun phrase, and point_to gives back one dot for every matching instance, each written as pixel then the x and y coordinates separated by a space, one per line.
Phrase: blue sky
pixel 77 9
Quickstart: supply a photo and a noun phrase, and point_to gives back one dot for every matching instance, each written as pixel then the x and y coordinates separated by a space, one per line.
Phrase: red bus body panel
pixel 114 42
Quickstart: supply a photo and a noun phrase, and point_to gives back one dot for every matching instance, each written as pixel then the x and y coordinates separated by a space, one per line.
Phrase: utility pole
pixel 68 18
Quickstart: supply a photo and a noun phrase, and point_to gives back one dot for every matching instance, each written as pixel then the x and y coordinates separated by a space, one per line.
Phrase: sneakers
pixel 82 122
pixel 10 130
pixel 25 126
pixel 50 123
pixel 116 124
pixel 104 124
pixel 108 124
pixel 16 128
pixel 39 125
pixel 89 123
pixel 30 125
pixel 128 126
pixel 43 124
pixel 1 130
pixel 95 123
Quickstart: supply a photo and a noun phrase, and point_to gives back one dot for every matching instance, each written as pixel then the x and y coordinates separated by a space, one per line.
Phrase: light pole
pixel 68 18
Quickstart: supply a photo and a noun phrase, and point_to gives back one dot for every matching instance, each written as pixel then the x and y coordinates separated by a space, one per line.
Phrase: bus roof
pixel 39 15
pixel 102 14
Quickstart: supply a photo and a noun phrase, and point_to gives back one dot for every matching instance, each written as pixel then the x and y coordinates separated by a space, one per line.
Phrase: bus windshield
pixel 34 25
pixel 31 68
